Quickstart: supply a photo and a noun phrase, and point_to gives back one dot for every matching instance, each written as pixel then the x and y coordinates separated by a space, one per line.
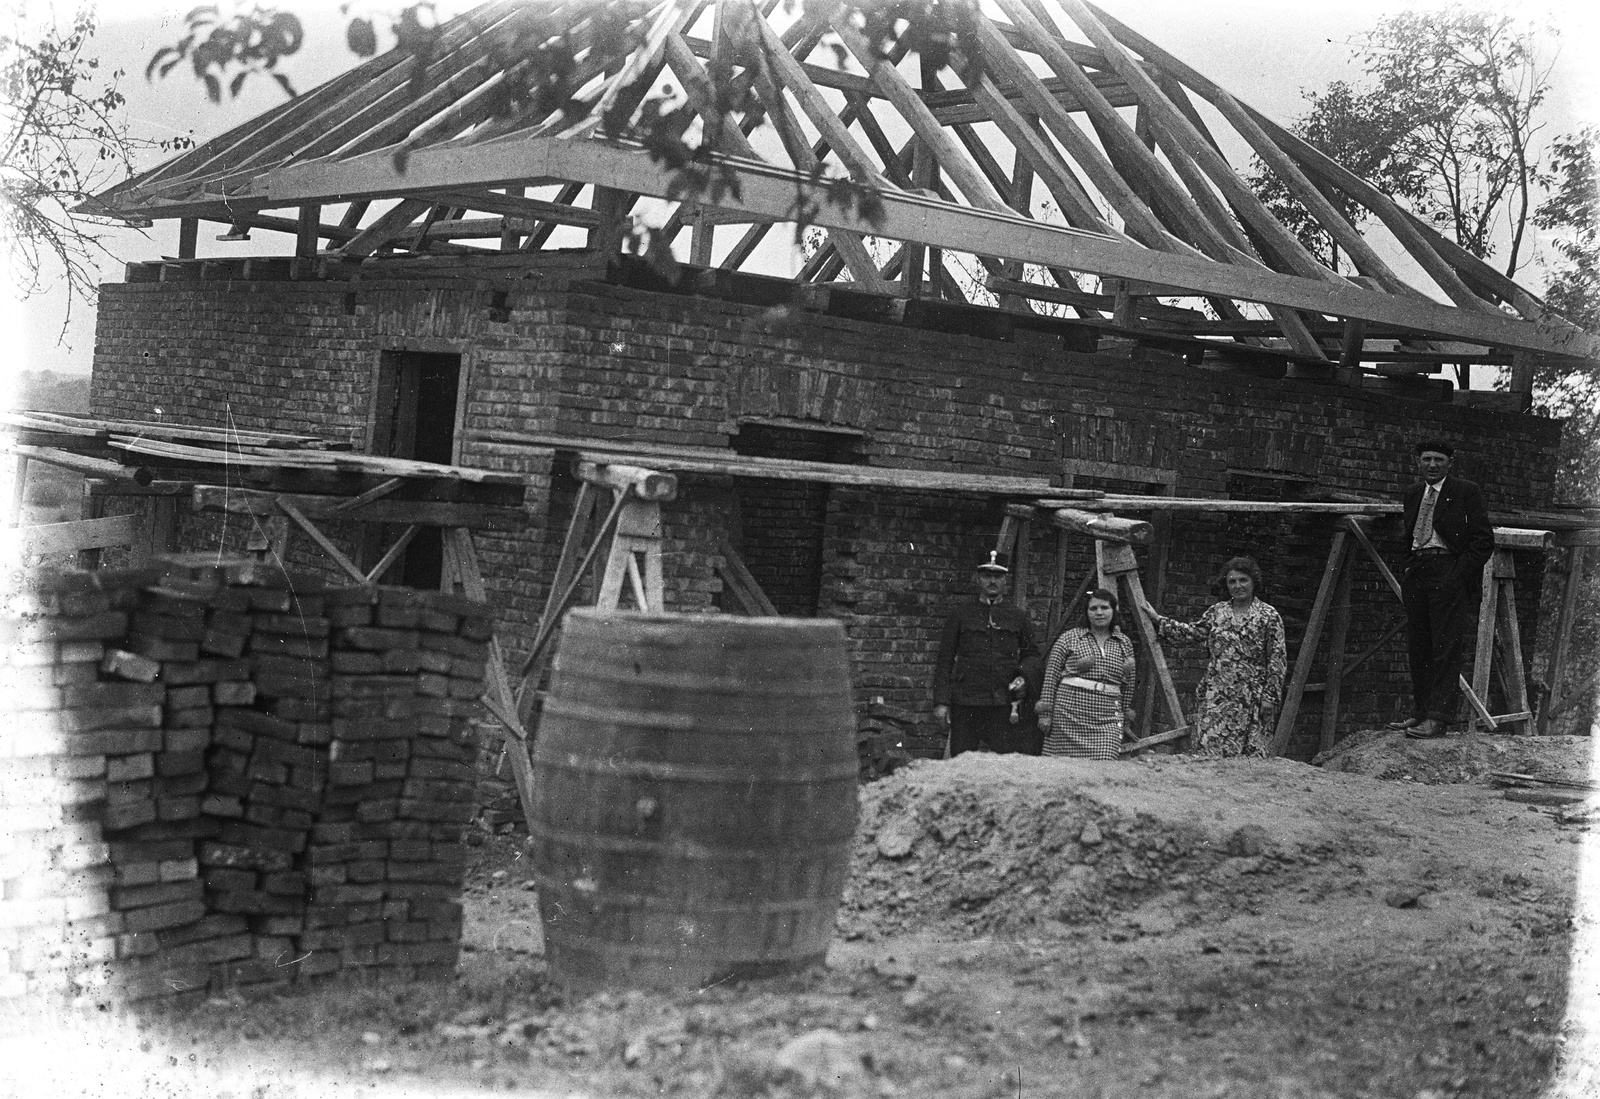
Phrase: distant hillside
pixel 47 391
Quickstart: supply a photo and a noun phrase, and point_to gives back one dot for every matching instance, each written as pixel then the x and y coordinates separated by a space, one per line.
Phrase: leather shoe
pixel 1428 729
pixel 1407 723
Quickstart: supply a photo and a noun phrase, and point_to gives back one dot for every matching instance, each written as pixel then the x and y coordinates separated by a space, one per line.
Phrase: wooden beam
pixel 1318 163
pixel 387 561
pixel 1335 667
pixel 643 484
pixel 1556 665
pixel 1338 561
pixel 334 552
pixel 893 85
pixel 388 225
pixel 768 191
pixel 261 503
pixel 1110 528
pixel 70 537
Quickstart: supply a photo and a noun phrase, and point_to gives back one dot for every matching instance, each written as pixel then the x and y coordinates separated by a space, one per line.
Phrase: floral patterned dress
pixel 1239 695
pixel 1086 721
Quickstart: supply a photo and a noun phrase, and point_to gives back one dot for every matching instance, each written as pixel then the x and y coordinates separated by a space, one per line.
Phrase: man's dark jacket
pixel 1461 521
pixel 985 647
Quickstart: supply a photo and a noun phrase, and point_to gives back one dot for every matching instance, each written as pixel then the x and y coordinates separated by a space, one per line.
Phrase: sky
pixel 1266 52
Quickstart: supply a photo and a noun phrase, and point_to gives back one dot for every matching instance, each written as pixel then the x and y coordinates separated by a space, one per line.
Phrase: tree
pixel 1446 119
pixel 60 141
pixel 1470 84
pixel 1362 132
pixel 1571 213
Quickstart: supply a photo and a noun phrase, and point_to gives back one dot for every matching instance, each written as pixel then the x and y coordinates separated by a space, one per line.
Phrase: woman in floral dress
pixel 1239 695
pixel 1088 685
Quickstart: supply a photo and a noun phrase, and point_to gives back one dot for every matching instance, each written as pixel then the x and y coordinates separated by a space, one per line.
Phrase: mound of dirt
pixel 1471 757
pixel 1012 846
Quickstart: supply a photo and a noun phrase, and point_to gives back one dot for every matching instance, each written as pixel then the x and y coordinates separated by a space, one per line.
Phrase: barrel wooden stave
pixel 696 780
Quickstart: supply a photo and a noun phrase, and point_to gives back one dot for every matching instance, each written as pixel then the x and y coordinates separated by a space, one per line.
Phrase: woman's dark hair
pixel 1246 565
pixel 1103 594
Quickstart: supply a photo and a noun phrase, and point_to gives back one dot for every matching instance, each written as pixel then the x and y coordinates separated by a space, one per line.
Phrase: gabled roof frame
pixel 1151 200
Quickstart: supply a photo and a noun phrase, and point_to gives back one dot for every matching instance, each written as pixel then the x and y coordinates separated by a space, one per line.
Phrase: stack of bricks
pixel 65 732
pixel 185 639
pixel 268 767
pixel 184 733
pixel 386 859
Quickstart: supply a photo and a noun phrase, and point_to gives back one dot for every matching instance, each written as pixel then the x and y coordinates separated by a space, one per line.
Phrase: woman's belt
pixel 1091 685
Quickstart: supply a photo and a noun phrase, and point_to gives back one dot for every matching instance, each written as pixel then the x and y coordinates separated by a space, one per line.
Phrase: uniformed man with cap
pixel 1449 539
pixel 989 669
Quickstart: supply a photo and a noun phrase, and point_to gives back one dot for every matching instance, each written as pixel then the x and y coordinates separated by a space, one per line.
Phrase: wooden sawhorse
pixel 1497 633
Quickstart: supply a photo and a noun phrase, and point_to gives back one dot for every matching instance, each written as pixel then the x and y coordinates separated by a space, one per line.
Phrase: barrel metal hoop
pixel 695 772
pixel 607 947
pixel 679 849
pixel 553 887
pixel 614 715
pixel 709 684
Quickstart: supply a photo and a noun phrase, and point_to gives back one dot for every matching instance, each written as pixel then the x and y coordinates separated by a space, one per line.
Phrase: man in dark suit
pixel 989 667
pixel 1449 539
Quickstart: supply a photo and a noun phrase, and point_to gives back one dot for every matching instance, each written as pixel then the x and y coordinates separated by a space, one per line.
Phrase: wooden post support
pixel 1336 668
pixel 92 506
pixel 1498 635
pixel 19 486
pixel 1337 554
pixel 1556 666
pixel 1158 659
pixel 638 536
pixel 461 568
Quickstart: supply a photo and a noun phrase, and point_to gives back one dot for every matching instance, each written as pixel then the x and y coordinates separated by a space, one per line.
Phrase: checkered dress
pixel 1086 723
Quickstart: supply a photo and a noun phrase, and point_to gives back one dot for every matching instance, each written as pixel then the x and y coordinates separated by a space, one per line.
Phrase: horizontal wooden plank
pixel 424 512
pixel 79 534
pixel 1522 538
pixel 725 462
pixel 763 188
pixel 1195 503
pixel 236 501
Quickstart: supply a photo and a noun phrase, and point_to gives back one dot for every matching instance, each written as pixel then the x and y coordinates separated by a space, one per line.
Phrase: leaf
pixel 361 38
pixel 213 87
pixel 283 82
pixel 236 83
pixel 156 60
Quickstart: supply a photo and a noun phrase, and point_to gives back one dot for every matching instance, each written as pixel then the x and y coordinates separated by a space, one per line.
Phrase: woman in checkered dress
pixel 1088 685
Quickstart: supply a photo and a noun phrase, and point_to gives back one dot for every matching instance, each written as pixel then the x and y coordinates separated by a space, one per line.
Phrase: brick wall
pixel 581 355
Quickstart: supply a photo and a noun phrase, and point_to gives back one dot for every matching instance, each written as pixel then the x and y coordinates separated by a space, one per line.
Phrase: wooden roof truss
pixel 1082 149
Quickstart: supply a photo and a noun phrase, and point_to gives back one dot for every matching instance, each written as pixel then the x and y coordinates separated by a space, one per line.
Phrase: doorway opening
pixel 782 523
pixel 415 417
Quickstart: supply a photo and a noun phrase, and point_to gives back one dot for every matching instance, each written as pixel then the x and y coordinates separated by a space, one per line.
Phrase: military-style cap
pixel 995 562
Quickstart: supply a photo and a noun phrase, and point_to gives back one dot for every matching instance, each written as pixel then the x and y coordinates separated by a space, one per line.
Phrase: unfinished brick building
pixel 856 433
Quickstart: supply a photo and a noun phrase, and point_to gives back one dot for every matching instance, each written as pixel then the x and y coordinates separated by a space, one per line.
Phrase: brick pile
pixel 386 858
pixel 210 784
pixel 65 733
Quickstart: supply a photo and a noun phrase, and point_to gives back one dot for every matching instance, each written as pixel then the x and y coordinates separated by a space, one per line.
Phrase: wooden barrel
pixel 695 797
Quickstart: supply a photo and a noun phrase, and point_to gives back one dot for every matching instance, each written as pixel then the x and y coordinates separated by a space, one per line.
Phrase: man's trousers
pixel 1441 608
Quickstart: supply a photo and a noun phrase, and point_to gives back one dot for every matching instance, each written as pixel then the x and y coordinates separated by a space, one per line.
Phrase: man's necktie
pixel 1424 526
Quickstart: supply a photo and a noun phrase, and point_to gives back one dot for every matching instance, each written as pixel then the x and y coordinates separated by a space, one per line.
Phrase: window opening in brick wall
pixel 782 523
pixel 415 417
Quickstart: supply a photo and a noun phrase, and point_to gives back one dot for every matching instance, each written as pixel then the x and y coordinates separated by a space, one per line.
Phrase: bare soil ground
pixel 1013 927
